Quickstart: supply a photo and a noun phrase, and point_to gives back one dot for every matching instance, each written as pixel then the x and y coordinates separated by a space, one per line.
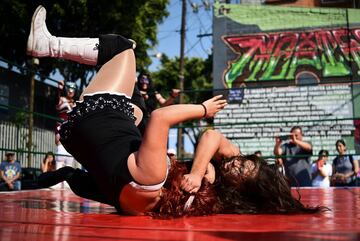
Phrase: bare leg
pixel 148 165
pixel 117 75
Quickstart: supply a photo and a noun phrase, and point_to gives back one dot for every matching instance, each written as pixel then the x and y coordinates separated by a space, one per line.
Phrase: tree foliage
pixel 197 85
pixel 136 19
pixel 197 77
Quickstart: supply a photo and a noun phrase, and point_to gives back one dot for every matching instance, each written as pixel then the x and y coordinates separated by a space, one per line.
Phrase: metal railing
pixel 14 138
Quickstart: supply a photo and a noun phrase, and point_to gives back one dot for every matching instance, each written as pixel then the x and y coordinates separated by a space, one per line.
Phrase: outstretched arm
pixel 170 100
pixel 212 144
pixel 149 165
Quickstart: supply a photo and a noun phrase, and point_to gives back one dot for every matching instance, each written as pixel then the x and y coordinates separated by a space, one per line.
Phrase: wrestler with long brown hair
pixel 231 192
pixel 244 183
pixel 126 169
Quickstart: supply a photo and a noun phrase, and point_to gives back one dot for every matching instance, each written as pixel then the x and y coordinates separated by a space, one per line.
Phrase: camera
pixel 284 137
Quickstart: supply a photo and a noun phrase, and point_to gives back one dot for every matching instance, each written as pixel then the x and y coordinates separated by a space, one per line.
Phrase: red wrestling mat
pixel 60 215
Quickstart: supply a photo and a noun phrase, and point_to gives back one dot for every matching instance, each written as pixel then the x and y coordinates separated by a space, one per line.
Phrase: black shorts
pixel 100 133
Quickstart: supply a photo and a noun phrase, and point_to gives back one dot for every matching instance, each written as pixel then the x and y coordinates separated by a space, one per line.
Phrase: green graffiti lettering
pixel 255 68
pixel 236 69
pixel 333 68
pixel 326 53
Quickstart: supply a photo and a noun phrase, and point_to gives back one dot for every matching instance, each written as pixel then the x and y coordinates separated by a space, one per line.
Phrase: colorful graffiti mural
pixel 287 55
pixel 287 66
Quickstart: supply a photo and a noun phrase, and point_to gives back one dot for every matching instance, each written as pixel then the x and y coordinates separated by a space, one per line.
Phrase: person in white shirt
pixel 321 171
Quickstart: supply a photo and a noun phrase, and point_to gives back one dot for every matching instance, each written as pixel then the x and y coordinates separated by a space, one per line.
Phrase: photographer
pixel 297 157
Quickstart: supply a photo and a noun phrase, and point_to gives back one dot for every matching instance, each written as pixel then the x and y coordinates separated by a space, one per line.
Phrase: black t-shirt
pixel 297 169
pixel 138 100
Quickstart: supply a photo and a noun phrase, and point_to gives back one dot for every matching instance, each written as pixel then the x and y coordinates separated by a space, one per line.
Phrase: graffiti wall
pixel 322 54
pixel 285 67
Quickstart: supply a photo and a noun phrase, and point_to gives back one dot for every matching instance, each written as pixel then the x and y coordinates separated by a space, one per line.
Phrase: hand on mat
pixel 214 105
pixel 191 183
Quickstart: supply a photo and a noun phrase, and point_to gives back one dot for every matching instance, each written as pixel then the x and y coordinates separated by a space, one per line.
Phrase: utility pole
pixel 180 138
pixel 34 62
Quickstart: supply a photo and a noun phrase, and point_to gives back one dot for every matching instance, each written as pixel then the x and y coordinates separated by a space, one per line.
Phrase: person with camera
pixel 295 156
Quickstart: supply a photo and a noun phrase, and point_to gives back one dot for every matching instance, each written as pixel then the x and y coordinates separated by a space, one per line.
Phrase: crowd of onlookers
pixel 293 158
pixel 13 176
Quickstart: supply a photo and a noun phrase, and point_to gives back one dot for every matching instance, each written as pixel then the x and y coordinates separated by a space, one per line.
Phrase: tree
pixel 197 76
pixel 136 19
pixel 197 85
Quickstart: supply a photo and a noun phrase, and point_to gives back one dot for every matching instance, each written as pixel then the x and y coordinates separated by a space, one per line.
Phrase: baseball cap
pixel 9 153
pixel 71 86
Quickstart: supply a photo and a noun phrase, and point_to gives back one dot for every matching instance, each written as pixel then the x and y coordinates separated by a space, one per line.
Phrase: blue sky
pixel 169 32
pixel 169 42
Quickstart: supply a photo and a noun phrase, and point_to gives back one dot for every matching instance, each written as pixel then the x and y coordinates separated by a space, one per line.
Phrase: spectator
pixel 345 167
pixel 297 157
pixel 152 97
pixel 48 164
pixel 10 171
pixel 321 170
pixel 64 106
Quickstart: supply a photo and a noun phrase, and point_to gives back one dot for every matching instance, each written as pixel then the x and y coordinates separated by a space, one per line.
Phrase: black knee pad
pixel 111 45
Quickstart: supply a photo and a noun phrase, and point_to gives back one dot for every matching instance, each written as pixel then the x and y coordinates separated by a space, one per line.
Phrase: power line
pixel 193 46
pixel 200 28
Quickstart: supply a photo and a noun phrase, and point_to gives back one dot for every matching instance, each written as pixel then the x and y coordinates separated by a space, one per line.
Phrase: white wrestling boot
pixel 42 44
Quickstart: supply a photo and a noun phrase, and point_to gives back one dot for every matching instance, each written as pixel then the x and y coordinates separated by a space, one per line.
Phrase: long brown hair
pixel 268 191
pixel 173 200
pixel 52 166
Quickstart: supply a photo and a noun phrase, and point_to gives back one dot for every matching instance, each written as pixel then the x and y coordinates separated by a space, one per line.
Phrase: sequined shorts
pixel 93 103
pixel 101 134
